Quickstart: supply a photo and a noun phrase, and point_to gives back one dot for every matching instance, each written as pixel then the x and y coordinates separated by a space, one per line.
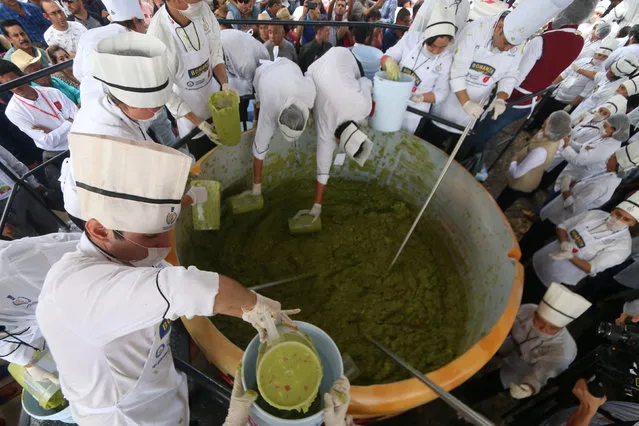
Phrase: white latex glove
pixel 336 404
pixel 227 88
pixel 209 131
pixel 391 67
pixel 564 185
pixel 40 374
pixel 575 67
pixel 198 194
pixel 473 109
pixel 255 316
pixel 240 403
pixel 568 108
pixel 417 98
pixel 562 255
pixel 497 106
pixel 569 247
pixel 315 211
pixel 520 391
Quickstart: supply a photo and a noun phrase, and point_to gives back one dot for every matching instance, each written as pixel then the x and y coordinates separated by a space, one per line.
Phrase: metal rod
pixel 26 79
pixel 215 386
pixel 468 413
pixel 353 24
pixel 469 126
pixel 284 281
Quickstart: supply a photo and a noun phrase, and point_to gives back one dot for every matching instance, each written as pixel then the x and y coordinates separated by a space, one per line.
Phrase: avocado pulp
pixel 418 309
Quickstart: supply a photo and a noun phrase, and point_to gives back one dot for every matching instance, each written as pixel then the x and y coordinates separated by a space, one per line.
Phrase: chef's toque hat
pixel 529 17
pixel 292 121
pixel 617 104
pixel 22 59
pixel 130 186
pixel 632 86
pixel 355 143
pixel 631 205
pixel 123 10
pixel 626 66
pixel 561 306
pixel 441 22
pixel 628 157
pixel 607 46
pixel 134 68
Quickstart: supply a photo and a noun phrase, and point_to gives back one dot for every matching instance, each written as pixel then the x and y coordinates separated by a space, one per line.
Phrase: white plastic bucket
pixel 391 99
pixel 33 408
pixel 331 363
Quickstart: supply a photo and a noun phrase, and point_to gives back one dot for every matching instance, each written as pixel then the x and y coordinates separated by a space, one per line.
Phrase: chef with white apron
pixel 588 243
pixel 192 36
pixel 105 310
pixel 427 58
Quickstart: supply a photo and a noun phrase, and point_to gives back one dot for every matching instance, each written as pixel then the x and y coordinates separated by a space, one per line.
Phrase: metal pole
pixel 468 413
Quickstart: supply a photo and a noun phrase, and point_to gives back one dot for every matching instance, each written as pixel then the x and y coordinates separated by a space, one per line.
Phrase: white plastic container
pixel 391 99
pixel 331 363
pixel 33 408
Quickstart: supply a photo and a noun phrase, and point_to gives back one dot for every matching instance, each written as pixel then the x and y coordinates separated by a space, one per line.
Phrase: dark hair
pixel 431 40
pixel 118 235
pixel 9 23
pixel 319 27
pixel 623 32
pixel 373 14
pixel 416 7
pixel 128 24
pixel 51 50
pixel 361 34
pixel 272 3
pixel 402 14
pixel 284 27
pixel 7 67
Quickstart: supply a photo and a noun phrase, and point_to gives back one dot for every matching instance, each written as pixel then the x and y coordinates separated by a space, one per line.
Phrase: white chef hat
pixel 134 68
pixel 626 66
pixel 628 157
pixel 617 104
pixel 632 86
pixel 561 306
pixel 631 205
pixel 529 17
pixel 130 186
pixel 441 22
pixel 600 9
pixel 355 143
pixel 607 46
pixel 293 126
pixel 123 10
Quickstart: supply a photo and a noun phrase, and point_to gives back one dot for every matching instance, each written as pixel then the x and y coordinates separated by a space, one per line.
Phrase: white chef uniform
pixel 107 323
pixel 597 244
pixel 51 109
pixel 193 52
pixel 24 265
pixel 342 95
pixel 587 194
pixel 573 84
pixel 243 54
pixel 626 13
pixel 429 71
pixel 277 83
pixel 630 275
pixel 632 49
pixel 477 68
pixel 461 8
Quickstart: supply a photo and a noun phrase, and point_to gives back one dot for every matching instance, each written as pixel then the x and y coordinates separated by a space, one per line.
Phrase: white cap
pixel 134 68
pixel 22 59
pixel 356 144
pixel 625 66
pixel 289 134
pixel 561 306
pixel 529 16
pixel 607 46
pixel 631 205
pixel 616 105
pixel 123 10
pixel 628 157
pixel 600 9
pixel 130 186
pixel 632 86
pixel 441 22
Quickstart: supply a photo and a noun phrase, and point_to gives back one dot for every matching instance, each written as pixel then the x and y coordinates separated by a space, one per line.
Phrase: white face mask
pixel 148 121
pixel 595 61
pixel 193 10
pixel 425 50
pixel 615 224
pixel 598 117
pixel 155 254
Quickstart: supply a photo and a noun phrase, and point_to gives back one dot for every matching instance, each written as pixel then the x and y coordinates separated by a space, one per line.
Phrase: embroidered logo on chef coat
pixel 198 71
pixel 171 217
pixel 58 105
pixel 483 68
pixel 20 301
pixel 165 327
pixel 579 242
pixel 410 72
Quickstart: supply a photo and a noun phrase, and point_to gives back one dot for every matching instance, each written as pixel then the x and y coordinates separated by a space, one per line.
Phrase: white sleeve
pixel 510 79
pixel 609 257
pixel 631 308
pixel 616 14
pixel 46 141
pixel 325 147
pixel 586 157
pixel 534 159
pixel 612 58
pixel 464 52
pixel 441 90
pixel 266 127
pixel 397 51
pixel 586 197
pixel 532 52
pixel 68 106
pixel 553 363
pixel 17 166
pixel 572 221
pixel 215 42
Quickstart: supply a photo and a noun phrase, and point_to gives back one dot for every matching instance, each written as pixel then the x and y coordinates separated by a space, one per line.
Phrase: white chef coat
pixel 626 13
pixel 632 49
pixel 596 93
pixel 573 84
pixel 51 109
pixel 6 183
pixel 342 95
pixel 108 325
pixel 585 28
pixel 276 82
pixel 429 71
pixel 589 49
pixel 68 39
pixel 597 245
pixel 587 194
pixel 583 132
pixel 589 160
pixel 477 68
pixel 243 54
pixel 630 275
pixel 461 8
pixel 193 52
pixel 532 357
pixel 24 264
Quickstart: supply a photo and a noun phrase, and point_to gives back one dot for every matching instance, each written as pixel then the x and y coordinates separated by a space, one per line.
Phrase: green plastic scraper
pixel 206 216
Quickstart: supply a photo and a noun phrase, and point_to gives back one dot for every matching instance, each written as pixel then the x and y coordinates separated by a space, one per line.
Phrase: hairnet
pixel 576 13
pixel 621 123
pixel 293 118
pixel 558 125
pixel 603 29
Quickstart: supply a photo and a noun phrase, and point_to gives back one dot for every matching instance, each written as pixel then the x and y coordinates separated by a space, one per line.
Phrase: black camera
pixel 627 334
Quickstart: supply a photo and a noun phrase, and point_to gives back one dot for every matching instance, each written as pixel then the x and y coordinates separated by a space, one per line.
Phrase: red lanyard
pixel 53 113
